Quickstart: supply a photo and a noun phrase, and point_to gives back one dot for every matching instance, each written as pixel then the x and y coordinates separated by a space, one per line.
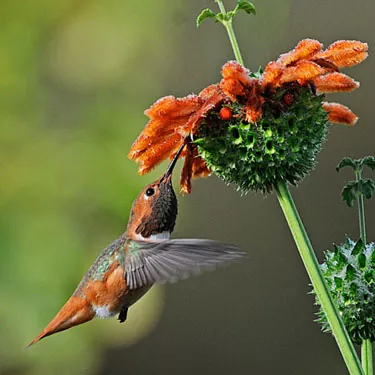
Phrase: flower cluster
pixel 254 129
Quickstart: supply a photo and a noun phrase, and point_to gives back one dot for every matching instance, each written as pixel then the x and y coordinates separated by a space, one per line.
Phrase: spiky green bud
pixel 349 271
pixel 282 147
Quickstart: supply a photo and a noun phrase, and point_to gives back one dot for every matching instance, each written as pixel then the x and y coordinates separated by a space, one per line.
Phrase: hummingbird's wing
pixel 147 263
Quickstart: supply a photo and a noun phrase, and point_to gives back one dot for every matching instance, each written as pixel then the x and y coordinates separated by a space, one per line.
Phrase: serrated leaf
pixel 350 273
pixel 338 282
pixel 248 7
pixel 361 261
pixel 367 187
pixel 206 13
pixel 349 193
pixel 369 276
pixel 347 162
pixel 368 161
pixel 358 247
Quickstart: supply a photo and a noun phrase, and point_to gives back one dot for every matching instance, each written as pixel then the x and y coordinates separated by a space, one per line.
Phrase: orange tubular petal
pixel 335 82
pixel 345 53
pixel 233 69
pixel 159 152
pixel 328 66
pixel 172 107
pixel 200 168
pixel 338 113
pixel 254 106
pixel 305 49
pixel 209 91
pixel 236 80
pixel 166 115
pixel 186 173
pixel 303 71
pixel 233 88
pixel 195 119
pixel 271 73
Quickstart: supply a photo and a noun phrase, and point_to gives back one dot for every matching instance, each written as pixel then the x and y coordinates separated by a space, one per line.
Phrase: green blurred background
pixel 75 80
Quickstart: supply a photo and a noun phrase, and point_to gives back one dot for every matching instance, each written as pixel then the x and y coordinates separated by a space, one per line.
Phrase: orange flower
pixel 177 120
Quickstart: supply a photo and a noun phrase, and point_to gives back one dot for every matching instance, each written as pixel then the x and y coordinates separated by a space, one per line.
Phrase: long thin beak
pixel 169 171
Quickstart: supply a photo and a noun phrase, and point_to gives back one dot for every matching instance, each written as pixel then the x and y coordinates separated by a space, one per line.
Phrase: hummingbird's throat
pixel 155 237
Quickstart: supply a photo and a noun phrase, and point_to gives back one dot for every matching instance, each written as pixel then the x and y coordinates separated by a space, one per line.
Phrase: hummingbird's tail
pixel 75 311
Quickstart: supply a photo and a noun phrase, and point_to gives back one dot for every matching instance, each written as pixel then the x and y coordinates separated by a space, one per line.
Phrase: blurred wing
pixel 147 263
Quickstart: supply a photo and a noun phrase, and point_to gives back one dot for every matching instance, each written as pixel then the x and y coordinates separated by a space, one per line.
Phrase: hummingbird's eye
pixel 150 192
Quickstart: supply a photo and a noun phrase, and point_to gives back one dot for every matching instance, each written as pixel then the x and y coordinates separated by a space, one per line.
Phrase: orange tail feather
pixel 76 311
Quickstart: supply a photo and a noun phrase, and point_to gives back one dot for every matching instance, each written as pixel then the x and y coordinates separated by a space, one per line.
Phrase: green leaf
pixel 367 187
pixel 361 261
pixel 368 161
pixel 349 193
pixel 245 5
pixel 350 273
pixel 358 247
pixel 206 13
pixel 222 17
pixel 347 162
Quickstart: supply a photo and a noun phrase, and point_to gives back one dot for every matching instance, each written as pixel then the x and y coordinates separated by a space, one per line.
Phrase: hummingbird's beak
pixel 168 174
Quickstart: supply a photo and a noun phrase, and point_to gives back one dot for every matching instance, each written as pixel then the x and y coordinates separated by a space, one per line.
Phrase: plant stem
pixel 312 267
pixel 305 248
pixel 366 354
pixel 232 37
pixel 361 209
pixel 366 346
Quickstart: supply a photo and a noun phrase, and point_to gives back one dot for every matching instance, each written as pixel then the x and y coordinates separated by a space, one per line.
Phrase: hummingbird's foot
pixel 123 314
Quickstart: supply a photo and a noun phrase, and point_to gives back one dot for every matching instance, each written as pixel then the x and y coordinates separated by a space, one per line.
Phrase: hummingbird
pixel 142 256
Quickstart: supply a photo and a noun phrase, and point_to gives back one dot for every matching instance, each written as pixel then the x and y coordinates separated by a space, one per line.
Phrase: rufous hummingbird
pixel 141 257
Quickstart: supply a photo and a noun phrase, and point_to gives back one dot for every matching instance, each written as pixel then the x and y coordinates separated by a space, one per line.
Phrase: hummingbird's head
pixel 154 212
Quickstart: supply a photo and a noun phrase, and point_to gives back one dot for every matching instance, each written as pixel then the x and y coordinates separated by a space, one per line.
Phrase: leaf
pixel 358 247
pixel 206 13
pixel 361 261
pixel 347 162
pixel 349 193
pixel 367 187
pixel 222 17
pixel 368 161
pixel 245 5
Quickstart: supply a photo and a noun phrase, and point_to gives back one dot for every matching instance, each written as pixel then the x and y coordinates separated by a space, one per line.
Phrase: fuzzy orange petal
pixel 233 88
pixel 187 170
pixel 303 71
pixel 200 168
pixel 328 66
pixel 305 49
pixel 335 82
pixel 271 73
pixel 159 152
pixel 233 69
pixel 345 53
pixel 254 105
pixel 236 80
pixel 209 91
pixel 217 97
pixel 166 115
pixel 338 113
pixel 173 107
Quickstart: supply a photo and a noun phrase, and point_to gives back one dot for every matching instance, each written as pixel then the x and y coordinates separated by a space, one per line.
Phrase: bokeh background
pixel 75 79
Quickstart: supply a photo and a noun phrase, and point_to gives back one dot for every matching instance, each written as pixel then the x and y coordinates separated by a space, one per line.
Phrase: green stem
pixel 232 37
pixel 366 347
pixel 366 354
pixel 312 267
pixel 305 248
pixel 361 209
